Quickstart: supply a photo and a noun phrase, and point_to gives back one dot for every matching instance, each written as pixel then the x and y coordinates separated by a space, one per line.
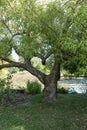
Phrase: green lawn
pixel 68 113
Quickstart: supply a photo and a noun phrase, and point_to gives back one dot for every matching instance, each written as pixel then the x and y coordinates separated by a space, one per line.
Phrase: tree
pixel 76 66
pixel 55 33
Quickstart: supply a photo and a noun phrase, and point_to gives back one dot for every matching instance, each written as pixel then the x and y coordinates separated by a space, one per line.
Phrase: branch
pixel 43 58
pixel 27 66
pixel 34 71
pixel 55 72
pixel 18 33
pixel 11 63
pixel 12 35
pixel 7 27
pixel 6 59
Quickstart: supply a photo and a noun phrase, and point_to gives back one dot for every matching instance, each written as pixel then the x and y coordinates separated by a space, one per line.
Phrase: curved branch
pixel 12 65
pixel 34 71
pixel 27 66
pixel 7 60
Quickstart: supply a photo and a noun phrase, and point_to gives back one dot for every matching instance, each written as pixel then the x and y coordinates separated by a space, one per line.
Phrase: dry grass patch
pixel 21 78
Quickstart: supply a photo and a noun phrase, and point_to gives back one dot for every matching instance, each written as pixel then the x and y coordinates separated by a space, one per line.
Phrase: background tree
pixel 76 67
pixel 55 33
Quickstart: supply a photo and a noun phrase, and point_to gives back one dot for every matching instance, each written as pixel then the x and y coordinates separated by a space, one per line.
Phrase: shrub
pixel 2 90
pixel 62 90
pixel 6 94
pixel 33 87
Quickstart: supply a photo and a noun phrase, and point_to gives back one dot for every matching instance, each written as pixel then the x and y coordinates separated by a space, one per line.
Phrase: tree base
pixel 50 93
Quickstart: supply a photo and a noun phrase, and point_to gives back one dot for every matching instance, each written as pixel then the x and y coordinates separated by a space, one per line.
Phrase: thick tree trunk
pixel 50 90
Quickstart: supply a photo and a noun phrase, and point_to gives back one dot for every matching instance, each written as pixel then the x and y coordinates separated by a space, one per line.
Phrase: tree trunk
pixel 50 90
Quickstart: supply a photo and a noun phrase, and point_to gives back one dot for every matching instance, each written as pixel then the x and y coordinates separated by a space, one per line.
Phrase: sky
pixel 14 55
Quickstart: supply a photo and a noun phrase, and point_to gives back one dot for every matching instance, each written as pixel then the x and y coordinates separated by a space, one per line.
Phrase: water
pixel 74 85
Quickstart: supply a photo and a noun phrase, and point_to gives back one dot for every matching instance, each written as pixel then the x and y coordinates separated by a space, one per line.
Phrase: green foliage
pixel 4 71
pixel 13 70
pixel 43 68
pixel 45 32
pixel 2 90
pixel 4 47
pixel 33 87
pixel 62 90
pixel 76 66
pixel 72 65
pixel 6 94
pixel 38 64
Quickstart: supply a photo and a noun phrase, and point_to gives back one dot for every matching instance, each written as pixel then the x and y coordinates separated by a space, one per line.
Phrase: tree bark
pixel 50 88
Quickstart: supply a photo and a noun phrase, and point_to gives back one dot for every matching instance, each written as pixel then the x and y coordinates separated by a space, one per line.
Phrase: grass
pixel 68 113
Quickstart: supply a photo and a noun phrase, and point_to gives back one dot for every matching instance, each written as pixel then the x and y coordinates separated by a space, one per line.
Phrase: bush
pixel 6 95
pixel 33 87
pixel 62 90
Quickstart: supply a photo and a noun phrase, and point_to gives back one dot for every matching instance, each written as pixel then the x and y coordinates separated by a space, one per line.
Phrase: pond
pixel 78 85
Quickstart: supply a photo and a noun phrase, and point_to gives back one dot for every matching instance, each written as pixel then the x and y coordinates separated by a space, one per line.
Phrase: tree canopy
pixel 55 32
